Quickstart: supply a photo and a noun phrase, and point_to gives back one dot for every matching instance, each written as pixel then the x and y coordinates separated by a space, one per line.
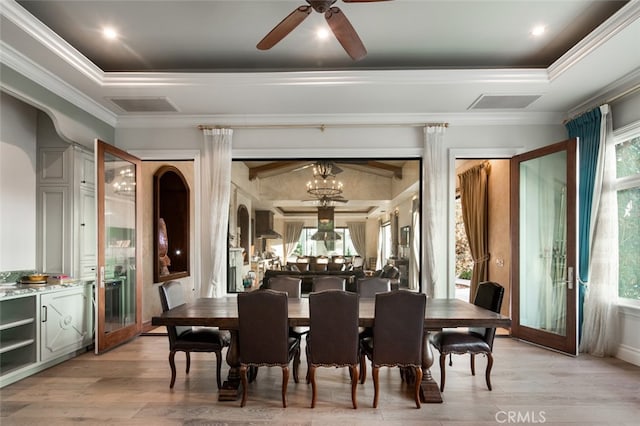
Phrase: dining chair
pixel 367 288
pixel 188 339
pixel 293 287
pixel 398 331
pixel 321 283
pixel 475 340
pixel 333 336
pixel 264 340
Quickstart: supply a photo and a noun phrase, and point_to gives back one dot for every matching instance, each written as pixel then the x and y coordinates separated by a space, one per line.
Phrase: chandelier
pixel 324 182
pixel 125 183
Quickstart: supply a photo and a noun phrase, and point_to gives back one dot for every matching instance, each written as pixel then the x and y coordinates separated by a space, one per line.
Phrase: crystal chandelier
pixel 324 182
pixel 125 183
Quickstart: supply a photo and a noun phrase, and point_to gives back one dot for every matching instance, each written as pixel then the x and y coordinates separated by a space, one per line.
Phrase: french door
pixel 543 210
pixel 119 285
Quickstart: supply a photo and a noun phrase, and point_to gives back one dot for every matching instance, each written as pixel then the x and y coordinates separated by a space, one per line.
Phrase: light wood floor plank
pixel 130 386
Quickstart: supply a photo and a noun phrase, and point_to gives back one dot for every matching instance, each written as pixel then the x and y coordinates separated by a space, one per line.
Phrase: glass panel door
pixel 119 253
pixel 544 304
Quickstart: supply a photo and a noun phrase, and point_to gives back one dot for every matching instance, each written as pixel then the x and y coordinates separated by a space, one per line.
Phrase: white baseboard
pixel 629 354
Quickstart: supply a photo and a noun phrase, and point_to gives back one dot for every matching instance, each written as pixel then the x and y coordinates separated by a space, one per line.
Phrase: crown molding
pixel 617 90
pixel 616 23
pixel 471 118
pixel 25 66
pixel 52 41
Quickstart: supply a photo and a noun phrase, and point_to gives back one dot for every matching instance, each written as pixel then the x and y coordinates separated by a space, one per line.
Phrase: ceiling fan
pixel 338 22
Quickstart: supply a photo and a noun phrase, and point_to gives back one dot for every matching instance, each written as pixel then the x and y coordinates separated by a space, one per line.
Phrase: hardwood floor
pixel 130 386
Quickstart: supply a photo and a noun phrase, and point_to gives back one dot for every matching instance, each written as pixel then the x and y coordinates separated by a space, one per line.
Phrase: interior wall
pixel 150 297
pixel 18 145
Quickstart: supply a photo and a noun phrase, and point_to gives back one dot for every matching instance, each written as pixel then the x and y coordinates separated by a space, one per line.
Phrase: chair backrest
pixel 317 267
pixel 336 266
pixel 263 327
pixel 328 283
pixel 333 319
pixel 398 328
pixel 489 296
pixel 290 285
pixel 369 287
pixel 390 271
pixel 172 295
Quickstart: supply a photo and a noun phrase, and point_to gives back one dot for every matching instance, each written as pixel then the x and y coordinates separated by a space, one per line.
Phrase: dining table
pixel 222 312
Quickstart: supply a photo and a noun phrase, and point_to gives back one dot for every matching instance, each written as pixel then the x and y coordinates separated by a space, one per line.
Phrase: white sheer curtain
pixel 600 324
pixel 292 231
pixel 414 264
pixel 380 254
pixel 434 202
pixel 358 232
pixel 216 187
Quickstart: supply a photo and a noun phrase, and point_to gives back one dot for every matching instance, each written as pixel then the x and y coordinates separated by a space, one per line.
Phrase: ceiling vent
pixel 149 104
pixel 503 101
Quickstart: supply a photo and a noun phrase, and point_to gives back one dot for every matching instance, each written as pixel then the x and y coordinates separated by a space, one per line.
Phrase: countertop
pixel 17 290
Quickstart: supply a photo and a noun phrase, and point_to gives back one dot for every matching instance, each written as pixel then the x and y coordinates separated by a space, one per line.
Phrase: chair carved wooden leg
pixel 418 380
pixel 312 378
pixel 353 370
pixel 285 381
pixel 243 379
pixel 218 368
pixel 473 364
pixel 172 364
pixel 296 364
pixel 376 388
pixel 488 372
pixel 443 358
pixel 188 354
pixel 363 368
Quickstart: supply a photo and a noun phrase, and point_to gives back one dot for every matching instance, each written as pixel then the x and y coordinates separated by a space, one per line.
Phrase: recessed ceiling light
pixel 538 30
pixel 322 34
pixel 109 33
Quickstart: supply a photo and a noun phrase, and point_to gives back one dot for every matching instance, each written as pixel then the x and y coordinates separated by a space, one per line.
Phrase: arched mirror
pixel 243 221
pixel 171 224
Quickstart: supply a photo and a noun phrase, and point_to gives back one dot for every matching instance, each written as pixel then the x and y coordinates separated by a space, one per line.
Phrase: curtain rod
pixel 321 127
pixel 613 98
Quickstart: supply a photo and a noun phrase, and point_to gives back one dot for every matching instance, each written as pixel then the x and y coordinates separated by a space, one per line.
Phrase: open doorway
pixel 498 263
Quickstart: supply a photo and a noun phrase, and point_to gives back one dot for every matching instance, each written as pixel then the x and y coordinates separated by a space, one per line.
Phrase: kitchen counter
pixel 17 290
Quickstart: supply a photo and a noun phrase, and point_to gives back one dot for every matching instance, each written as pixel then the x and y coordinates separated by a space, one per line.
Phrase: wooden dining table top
pixel 222 312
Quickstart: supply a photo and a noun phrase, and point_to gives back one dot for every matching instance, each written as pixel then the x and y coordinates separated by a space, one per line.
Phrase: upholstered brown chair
pixel 186 339
pixel 333 336
pixel 321 283
pixel 367 288
pixel 293 287
pixel 318 267
pixel 290 285
pixel 475 340
pixel 397 340
pixel 263 336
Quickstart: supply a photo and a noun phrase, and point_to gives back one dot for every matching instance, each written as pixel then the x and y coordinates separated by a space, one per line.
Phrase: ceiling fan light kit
pixel 337 20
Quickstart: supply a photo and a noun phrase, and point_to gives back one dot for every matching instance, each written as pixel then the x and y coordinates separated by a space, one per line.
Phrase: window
pixel 387 245
pixel 628 188
pixel 308 247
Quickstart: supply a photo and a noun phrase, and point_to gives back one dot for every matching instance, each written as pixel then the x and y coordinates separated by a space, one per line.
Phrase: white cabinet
pixel 18 344
pixel 66 204
pixel 64 322
pixel 43 329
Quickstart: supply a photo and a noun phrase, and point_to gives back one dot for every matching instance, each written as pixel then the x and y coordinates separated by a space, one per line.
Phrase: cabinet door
pixel 85 168
pixel 87 246
pixel 64 322
pixel 54 232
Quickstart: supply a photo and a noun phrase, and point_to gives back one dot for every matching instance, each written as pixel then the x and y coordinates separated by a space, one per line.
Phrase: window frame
pixel 624 183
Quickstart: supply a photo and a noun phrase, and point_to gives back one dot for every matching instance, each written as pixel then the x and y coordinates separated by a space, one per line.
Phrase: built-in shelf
pixel 18 323
pixel 11 345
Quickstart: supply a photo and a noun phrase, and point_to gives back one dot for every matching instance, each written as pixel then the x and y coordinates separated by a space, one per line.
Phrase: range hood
pixel 264 225
pixel 326 225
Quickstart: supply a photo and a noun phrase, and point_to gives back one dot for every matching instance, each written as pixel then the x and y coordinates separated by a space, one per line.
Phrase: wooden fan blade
pixel 345 33
pixel 281 30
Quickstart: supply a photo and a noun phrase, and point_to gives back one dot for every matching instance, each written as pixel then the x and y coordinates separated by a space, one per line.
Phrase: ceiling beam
pixel 255 172
pixel 397 171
